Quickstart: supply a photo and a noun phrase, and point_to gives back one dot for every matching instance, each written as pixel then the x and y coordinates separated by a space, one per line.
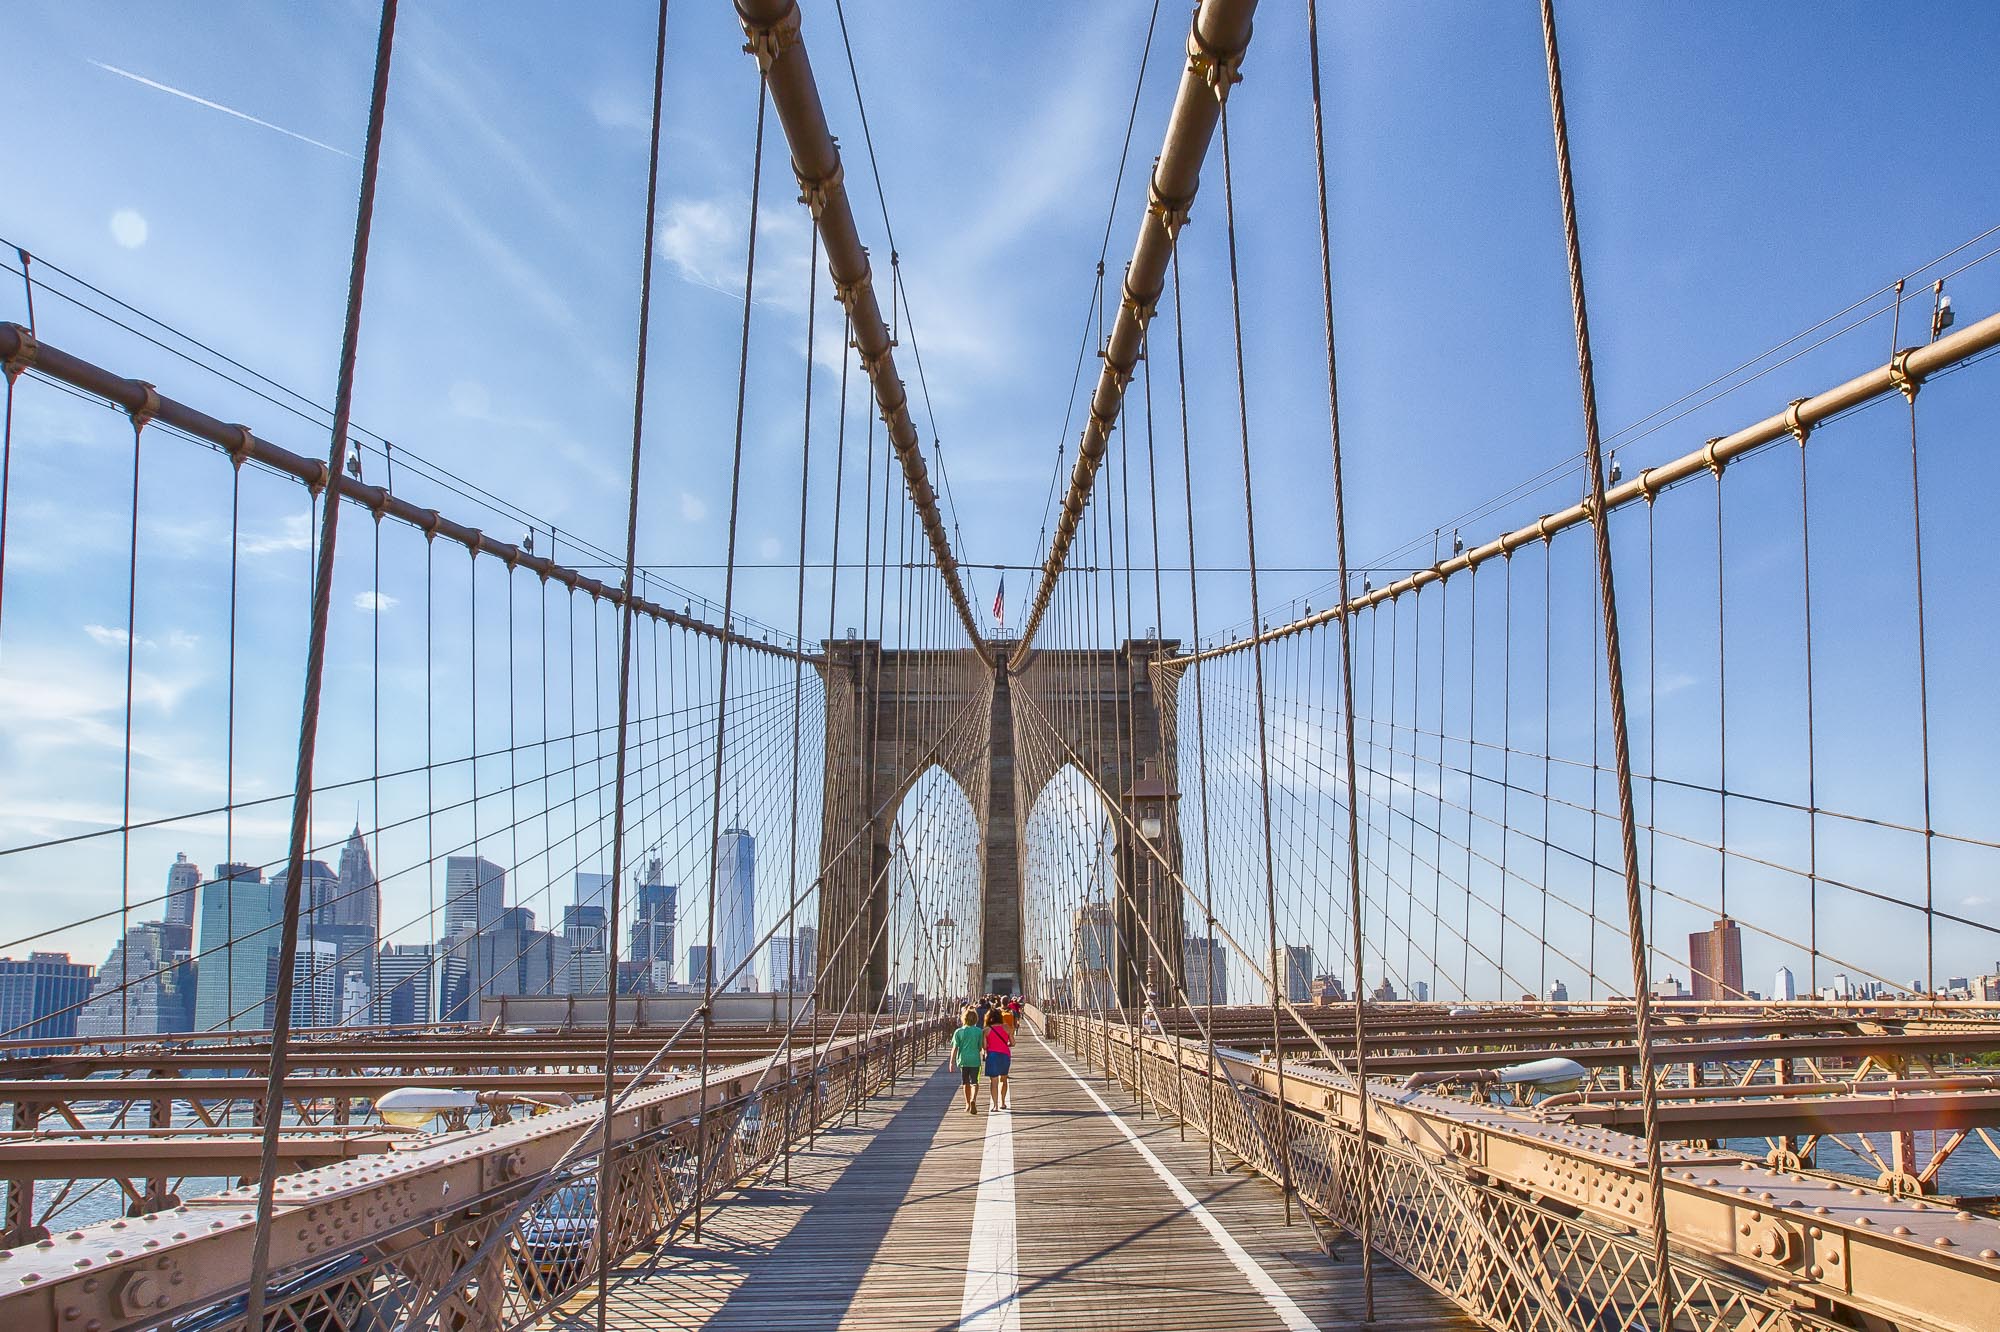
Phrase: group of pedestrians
pixel 985 1036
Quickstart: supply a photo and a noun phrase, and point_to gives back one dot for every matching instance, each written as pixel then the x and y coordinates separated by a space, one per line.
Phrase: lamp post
pixel 945 931
pixel 1151 801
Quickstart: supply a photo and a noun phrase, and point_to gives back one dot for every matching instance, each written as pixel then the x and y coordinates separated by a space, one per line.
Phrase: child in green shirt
pixel 968 1044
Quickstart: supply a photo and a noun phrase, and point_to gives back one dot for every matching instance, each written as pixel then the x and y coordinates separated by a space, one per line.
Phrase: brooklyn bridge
pixel 531 861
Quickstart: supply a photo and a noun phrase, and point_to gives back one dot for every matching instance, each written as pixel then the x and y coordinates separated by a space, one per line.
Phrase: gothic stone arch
pixel 1126 700
pixel 890 715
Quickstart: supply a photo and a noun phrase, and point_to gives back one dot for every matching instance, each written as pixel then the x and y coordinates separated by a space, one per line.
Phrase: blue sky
pixel 1743 171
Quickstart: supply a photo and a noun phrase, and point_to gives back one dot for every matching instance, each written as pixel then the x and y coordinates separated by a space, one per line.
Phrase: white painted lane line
pixel 1293 1317
pixel 992 1300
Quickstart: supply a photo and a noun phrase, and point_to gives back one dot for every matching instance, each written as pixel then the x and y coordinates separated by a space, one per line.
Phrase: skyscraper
pixel 653 911
pixel 358 900
pixel 41 996
pixel 355 1000
pixel 583 973
pixel 1784 986
pixel 236 941
pixel 805 958
pixel 593 889
pixel 316 898
pixel 778 963
pixel 512 958
pixel 1716 955
pixel 183 877
pixel 735 906
pixel 143 989
pixel 698 967
pixel 583 926
pixel 1206 967
pixel 405 985
pixel 327 917
pixel 315 984
pixel 1294 963
pixel 475 889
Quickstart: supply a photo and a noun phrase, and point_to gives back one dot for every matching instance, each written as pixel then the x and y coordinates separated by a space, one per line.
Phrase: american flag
pixel 1000 601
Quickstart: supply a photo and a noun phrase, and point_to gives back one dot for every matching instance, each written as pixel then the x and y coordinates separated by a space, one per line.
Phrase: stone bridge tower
pixel 891 715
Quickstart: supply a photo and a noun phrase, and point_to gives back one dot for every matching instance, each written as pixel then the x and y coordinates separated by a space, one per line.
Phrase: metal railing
pixel 384 1243
pixel 1517 1230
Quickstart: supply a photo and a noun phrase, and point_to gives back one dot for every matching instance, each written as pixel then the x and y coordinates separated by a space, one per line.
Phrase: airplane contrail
pixel 217 106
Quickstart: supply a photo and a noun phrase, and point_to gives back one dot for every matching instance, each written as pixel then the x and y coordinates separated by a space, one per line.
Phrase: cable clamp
pixel 1646 485
pixel 1220 70
pixel 148 408
pixel 1711 459
pixel 814 193
pixel 772 40
pixel 430 524
pixel 1796 422
pixel 1142 308
pixel 1900 377
pixel 239 452
pixel 24 353
pixel 1172 213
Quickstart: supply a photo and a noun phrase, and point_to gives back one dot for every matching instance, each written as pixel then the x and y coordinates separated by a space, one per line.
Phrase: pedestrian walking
pixel 999 1054
pixel 968 1043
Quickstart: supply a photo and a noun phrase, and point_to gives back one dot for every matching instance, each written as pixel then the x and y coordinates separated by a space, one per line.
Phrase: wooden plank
pixel 873 1231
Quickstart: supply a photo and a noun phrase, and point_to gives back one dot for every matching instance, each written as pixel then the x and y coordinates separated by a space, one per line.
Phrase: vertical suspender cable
pixel 1366 1200
pixel 722 668
pixel 1200 713
pixel 131 666
pixel 832 617
pixel 798 685
pixel 288 937
pixel 626 609
pixel 1278 960
pixel 1615 679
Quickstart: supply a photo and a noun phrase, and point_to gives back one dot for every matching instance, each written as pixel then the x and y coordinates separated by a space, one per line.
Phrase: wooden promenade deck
pixel 890 1227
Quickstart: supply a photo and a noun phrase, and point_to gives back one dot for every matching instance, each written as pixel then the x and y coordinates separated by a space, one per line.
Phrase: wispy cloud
pixel 706 242
pixel 374 603
pixel 294 532
pixel 186 96
pixel 180 640
pixel 104 636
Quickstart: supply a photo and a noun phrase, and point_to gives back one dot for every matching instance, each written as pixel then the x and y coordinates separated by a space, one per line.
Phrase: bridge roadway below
pixel 1071 1211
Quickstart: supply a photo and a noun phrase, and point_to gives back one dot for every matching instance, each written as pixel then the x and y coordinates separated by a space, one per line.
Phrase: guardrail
pixel 370 1245
pixel 1534 1224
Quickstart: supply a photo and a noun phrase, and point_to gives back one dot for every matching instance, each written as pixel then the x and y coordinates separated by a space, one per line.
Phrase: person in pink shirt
pixel 999 1054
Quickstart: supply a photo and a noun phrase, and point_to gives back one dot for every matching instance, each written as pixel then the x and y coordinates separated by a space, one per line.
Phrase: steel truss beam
pixel 1218 36
pixel 140 400
pixel 388 1211
pixel 773 29
pixel 1761 1246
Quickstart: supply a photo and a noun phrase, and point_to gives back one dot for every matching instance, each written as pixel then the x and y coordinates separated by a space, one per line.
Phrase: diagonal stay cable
pixel 281 1018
